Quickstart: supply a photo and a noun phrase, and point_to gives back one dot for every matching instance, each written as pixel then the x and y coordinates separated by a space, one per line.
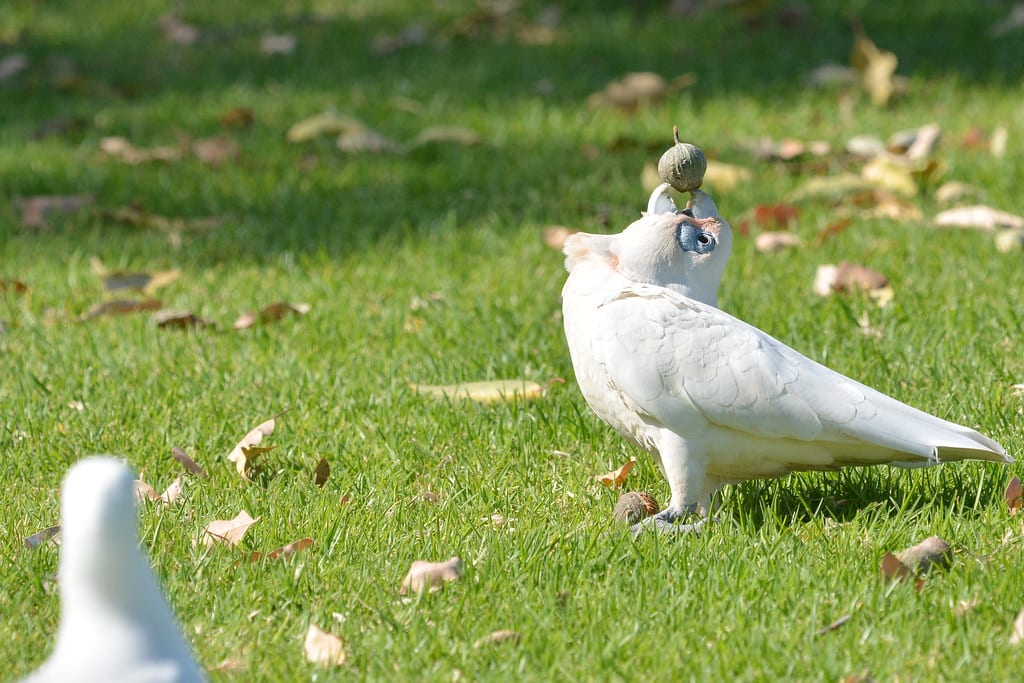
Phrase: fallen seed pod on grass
pixel 634 506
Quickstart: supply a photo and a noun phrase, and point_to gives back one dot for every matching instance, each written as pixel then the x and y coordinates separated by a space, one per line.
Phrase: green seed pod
pixel 683 165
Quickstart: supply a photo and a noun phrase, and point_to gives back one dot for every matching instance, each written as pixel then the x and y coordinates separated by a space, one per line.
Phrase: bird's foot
pixel 665 522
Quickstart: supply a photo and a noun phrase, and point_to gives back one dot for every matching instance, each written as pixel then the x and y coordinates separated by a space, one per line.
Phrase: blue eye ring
pixel 692 238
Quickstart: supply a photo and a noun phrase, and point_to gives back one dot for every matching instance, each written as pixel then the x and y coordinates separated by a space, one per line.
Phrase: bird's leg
pixel 686 473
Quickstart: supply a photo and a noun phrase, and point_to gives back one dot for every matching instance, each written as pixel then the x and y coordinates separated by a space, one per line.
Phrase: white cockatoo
pixel 713 399
pixel 115 625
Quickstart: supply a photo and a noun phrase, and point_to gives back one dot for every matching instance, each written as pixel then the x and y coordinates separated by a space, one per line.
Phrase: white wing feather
pixel 679 360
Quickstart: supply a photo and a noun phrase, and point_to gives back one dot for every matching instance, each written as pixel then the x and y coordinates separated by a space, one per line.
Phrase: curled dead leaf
pixel 283 551
pixel 188 463
pixel 875 67
pixel 1017 634
pixel 494 391
pixel 637 90
pixel 502 636
pixel 616 478
pixel 430 576
pixel 835 625
pixel 40 537
pixel 271 313
pixel 323 648
pixel 849 277
pixel 179 319
pixel 228 531
pixel 1014 495
pixel 771 241
pixel 248 448
pixel 979 217
pixel 322 472
pixel 36 212
pixel 120 307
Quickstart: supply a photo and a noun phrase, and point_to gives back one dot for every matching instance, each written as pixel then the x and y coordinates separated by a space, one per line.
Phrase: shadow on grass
pixel 961 489
pixel 312 199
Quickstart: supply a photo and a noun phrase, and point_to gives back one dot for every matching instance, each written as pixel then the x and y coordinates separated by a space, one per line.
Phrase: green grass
pixel 361 237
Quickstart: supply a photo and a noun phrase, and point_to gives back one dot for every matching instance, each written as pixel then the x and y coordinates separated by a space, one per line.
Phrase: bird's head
pixel 682 250
pixel 99 536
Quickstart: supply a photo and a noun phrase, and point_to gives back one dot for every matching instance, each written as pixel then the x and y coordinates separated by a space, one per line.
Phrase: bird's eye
pixel 703 239
pixel 692 238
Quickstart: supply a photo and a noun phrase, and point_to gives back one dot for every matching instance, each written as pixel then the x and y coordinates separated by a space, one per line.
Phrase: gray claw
pixel 665 522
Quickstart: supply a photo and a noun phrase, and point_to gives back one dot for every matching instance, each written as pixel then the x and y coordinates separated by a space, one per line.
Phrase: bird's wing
pixel 674 357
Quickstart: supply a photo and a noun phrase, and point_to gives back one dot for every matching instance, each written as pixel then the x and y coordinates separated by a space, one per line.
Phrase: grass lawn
pixel 427 266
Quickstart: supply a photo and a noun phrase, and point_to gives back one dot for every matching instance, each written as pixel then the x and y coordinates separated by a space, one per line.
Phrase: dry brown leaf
pixel 283 551
pixel 502 636
pixel 892 569
pixel 228 531
pixel 179 319
pixel 270 313
pixel 36 211
pixel 121 149
pixel 767 242
pixel 1017 635
pixel 216 150
pixel 445 134
pixel 431 576
pixel 979 217
pixel 246 449
pixel 322 472
pixel 1012 22
pixel 831 188
pixel 964 606
pixel 14 286
pixel 637 90
pixel 177 31
pixel 40 537
pixel 615 478
pixel 835 625
pixel 849 277
pixel 954 192
pixel 237 117
pixel 116 280
pixel 501 390
pixel 144 492
pixel 555 235
pixel 1014 495
pixel 328 123
pixel 172 494
pixel 875 67
pixel 323 648
pixel 121 306
pixel 188 463
pixel 12 65
pixel 277 43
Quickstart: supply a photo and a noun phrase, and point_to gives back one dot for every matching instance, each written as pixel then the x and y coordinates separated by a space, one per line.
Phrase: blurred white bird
pixel 115 625
pixel 713 399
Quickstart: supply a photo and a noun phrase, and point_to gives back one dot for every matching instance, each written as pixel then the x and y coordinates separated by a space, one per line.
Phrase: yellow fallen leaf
pixel 483 392
pixel 328 123
pixel 323 648
pixel 888 173
pixel 248 447
pixel 496 637
pixel 876 68
pixel 615 478
pixel 228 531
pixel 724 177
